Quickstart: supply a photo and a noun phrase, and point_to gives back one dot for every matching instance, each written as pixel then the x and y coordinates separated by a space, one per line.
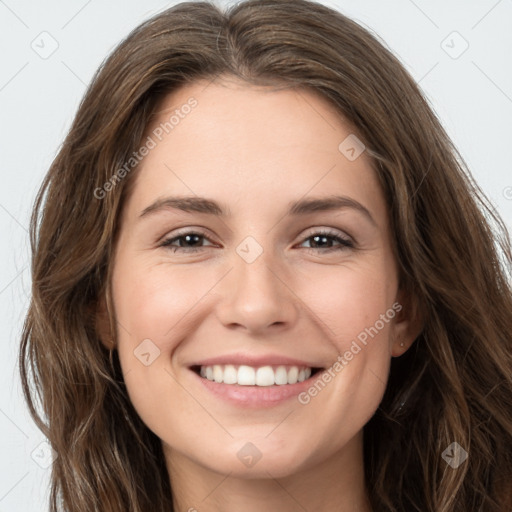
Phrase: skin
pixel 254 150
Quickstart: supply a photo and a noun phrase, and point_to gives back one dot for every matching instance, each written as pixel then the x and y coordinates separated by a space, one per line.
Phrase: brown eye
pixel 324 240
pixel 189 242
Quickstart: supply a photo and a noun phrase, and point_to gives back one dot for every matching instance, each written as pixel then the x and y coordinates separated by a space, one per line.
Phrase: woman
pixel 192 353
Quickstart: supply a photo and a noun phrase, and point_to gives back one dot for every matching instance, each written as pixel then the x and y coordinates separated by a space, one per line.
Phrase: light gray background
pixel 471 92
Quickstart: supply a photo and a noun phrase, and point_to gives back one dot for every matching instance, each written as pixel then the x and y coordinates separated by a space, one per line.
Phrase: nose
pixel 258 297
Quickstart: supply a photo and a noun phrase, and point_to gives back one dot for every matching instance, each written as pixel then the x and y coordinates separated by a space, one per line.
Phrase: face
pixel 256 320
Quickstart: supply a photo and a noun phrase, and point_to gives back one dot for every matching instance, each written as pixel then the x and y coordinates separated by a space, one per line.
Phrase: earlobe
pixel 103 323
pixel 408 324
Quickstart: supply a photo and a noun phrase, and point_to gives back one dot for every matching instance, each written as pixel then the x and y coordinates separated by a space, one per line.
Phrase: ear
pixel 408 322
pixel 102 320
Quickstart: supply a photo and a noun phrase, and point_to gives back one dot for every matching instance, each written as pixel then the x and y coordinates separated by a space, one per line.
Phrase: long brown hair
pixel 453 253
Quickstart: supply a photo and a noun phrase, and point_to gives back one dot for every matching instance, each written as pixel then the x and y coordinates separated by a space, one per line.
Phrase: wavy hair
pixel 452 249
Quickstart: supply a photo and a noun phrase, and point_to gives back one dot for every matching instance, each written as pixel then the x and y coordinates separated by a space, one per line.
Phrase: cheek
pixel 154 309
pixel 153 301
pixel 355 310
pixel 349 300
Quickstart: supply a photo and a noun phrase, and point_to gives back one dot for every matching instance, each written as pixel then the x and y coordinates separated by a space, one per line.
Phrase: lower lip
pixel 256 396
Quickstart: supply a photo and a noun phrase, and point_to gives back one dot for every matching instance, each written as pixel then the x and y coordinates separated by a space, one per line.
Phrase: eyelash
pixel 344 243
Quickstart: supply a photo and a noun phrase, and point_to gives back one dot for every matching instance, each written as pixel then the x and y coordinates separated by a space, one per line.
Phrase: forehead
pixel 251 146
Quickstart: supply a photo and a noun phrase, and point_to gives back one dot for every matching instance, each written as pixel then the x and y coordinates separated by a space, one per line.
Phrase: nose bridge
pixel 257 276
pixel 257 296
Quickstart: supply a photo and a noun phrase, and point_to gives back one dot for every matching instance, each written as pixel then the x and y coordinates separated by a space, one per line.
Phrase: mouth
pixel 256 381
pixel 258 376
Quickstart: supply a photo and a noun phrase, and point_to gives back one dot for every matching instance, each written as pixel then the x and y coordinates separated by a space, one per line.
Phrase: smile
pixel 243 375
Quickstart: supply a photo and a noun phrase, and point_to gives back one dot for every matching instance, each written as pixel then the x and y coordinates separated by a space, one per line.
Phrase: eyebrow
pixel 295 208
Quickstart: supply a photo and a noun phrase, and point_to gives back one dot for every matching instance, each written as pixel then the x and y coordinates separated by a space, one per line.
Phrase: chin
pixel 259 457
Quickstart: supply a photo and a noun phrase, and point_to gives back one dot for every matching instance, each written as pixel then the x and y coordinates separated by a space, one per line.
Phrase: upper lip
pixel 255 361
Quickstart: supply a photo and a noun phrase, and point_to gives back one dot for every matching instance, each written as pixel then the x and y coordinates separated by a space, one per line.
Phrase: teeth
pixel 248 376
pixel 230 374
pixel 265 376
pixel 293 373
pixel 218 374
pixel 281 375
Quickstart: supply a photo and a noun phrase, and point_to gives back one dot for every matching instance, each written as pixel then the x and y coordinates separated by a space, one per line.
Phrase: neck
pixel 334 484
